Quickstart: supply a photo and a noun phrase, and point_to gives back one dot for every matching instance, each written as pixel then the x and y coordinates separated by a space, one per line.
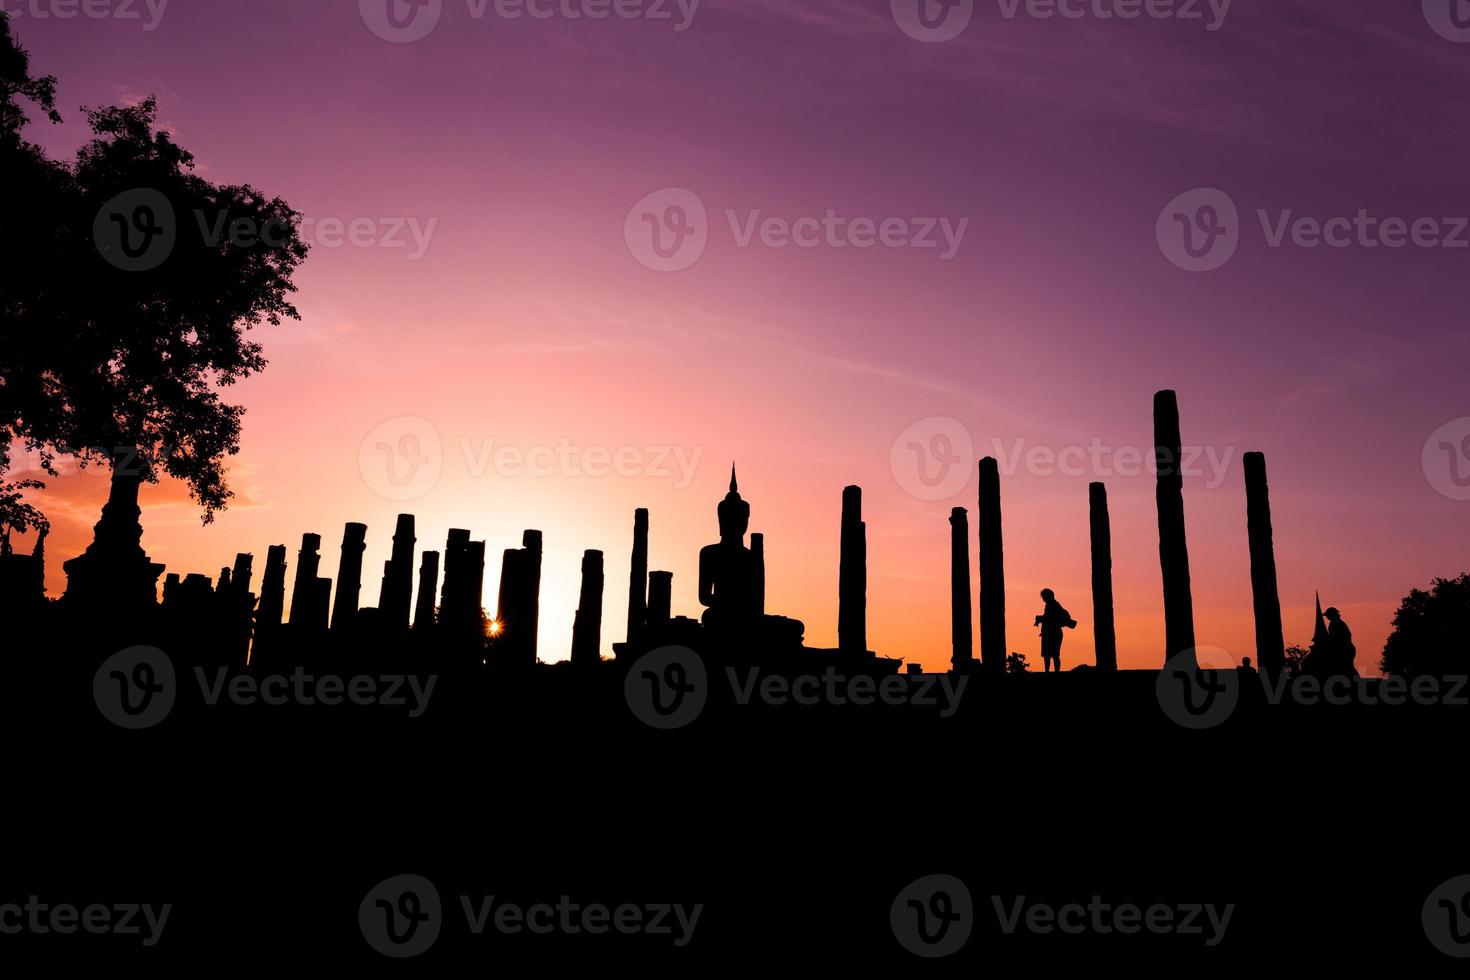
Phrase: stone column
pixel 660 600
pixel 1105 641
pixel 962 651
pixel 349 575
pixel 304 591
pixel 272 599
pixel 758 558
pixel 1173 550
pixel 423 611
pixel 398 577
pixel 451 598
pixel 852 576
pixel 992 571
pixel 587 624
pixel 638 579
pixel 1270 642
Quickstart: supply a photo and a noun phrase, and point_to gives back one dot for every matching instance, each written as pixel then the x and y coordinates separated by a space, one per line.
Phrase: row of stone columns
pixel 1179 638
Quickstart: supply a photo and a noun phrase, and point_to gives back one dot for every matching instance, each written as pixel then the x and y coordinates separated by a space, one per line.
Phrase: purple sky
pixel 529 319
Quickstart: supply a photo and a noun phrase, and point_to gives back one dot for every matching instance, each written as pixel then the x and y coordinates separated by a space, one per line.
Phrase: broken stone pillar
pixel 423 612
pixel 660 601
pixel 1173 550
pixel 992 571
pixel 1105 641
pixel 272 595
pixel 962 651
pixel 520 586
pixel 638 579
pixel 530 610
pixel 452 601
pixel 852 576
pixel 587 623
pixel 244 563
pixel 349 575
pixel 1270 642
pixel 397 593
pixel 304 590
pixel 474 612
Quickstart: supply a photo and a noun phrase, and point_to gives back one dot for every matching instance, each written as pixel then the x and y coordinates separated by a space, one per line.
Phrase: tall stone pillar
pixel 530 611
pixel 1270 642
pixel 1105 640
pixel 758 558
pixel 962 650
pixel 520 587
pixel 244 571
pixel 451 598
pixel 272 600
pixel 587 624
pixel 423 611
pixel 304 591
pixel 638 579
pixel 397 595
pixel 474 598
pixel 852 576
pixel 992 571
pixel 349 575
pixel 1173 550
pixel 660 601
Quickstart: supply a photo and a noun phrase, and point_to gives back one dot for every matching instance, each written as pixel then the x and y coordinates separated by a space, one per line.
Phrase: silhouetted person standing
pixel 1053 620
pixel 1342 655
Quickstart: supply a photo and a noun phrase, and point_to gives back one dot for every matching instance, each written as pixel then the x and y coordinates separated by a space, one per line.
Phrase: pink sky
pixel 518 148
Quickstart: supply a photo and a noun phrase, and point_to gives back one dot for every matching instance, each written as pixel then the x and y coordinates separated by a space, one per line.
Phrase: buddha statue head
pixel 734 513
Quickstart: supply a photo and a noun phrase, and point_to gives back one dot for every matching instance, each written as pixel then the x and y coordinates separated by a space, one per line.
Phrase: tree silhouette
pixel 1296 656
pixel 1016 664
pixel 138 284
pixel 1429 631
pixel 17 515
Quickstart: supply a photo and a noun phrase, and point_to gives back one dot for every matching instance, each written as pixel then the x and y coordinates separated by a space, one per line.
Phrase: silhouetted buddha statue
pixel 729 573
